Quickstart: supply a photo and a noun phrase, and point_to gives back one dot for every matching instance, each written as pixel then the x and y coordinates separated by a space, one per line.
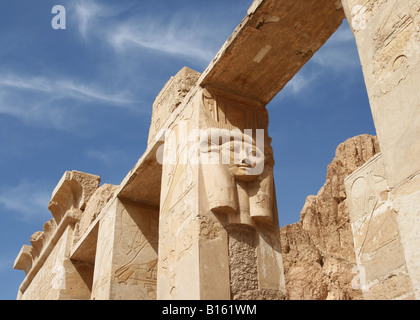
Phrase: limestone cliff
pixel 318 251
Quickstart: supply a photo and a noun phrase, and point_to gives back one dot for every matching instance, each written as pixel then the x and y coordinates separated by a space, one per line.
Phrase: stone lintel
pixel 142 184
pixel 273 42
pixel 85 249
pixel 24 259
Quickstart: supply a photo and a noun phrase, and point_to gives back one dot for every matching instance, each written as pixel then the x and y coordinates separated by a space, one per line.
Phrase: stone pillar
pixel 179 219
pixel 126 256
pixel 388 39
pixel 219 234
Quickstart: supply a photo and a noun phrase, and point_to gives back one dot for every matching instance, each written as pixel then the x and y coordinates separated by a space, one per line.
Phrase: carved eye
pixel 254 154
pixel 208 146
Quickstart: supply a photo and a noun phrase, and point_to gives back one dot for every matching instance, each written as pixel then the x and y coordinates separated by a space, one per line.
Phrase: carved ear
pixel 220 188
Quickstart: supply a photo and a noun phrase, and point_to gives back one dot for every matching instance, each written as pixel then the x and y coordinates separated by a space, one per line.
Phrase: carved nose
pixel 246 161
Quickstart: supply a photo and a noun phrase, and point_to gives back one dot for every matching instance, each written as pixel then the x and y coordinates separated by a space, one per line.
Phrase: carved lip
pixel 245 165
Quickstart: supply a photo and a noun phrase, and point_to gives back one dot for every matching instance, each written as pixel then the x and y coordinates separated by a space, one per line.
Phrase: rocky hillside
pixel 318 252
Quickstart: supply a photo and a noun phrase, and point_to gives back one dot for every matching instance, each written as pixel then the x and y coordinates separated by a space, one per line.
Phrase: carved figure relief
pixel 236 161
pixel 372 220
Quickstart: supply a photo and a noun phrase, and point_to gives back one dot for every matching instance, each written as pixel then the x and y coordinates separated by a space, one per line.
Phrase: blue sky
pixel 81 99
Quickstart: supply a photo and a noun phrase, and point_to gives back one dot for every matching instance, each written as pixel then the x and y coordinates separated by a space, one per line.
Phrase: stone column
pixel 388 39
pixel 218 229
pixel 179 219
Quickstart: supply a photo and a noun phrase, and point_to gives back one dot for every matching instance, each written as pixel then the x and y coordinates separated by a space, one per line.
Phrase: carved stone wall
pixel 50 272
pixel 388 35
pixel 382 270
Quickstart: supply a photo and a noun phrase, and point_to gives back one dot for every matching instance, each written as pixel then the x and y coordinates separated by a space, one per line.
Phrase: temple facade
pixel 196 217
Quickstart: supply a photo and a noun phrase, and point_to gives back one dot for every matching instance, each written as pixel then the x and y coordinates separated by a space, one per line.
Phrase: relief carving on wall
pixel 396 44
pixel 372 217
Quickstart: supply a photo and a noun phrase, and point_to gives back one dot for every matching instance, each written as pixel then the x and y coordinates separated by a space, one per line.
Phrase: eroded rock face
pixel 318 251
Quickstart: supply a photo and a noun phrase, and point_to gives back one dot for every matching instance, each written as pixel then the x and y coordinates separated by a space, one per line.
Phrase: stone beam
pixel 24 259
pixel 142 184
pixel 85 249
pixel 273 42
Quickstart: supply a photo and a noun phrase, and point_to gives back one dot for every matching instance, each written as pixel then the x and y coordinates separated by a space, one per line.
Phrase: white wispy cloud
pixel 90 15
pixel 174 36
pixel 64 88
pixel 85 12
pixel 339 53
pixel 36 83
pixel 108 157
pixel 337 56
pixel 27 199
pixel 298 83
pixel 39 100
pixel 174 39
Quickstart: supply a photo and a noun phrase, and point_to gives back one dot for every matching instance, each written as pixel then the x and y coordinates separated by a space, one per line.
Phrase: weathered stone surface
pixel 24 259
pixel 96 203
pixel 377 242
pixel 318 251
pixel 40 238
pixel 388 34
pixel 126 256
pixel 52 275
pixel 72 192
pixel 326 217
pixel 171 97
pixel 243 262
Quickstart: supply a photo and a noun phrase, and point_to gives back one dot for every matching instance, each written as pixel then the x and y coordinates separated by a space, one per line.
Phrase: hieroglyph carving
pixel 396 43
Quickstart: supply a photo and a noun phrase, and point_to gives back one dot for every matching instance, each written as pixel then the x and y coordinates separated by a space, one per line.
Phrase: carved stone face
pixel 239 153
pixel 237 174
pixel 244 158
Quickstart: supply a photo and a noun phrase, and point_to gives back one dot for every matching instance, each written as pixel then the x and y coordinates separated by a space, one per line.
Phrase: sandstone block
pixel 73 191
